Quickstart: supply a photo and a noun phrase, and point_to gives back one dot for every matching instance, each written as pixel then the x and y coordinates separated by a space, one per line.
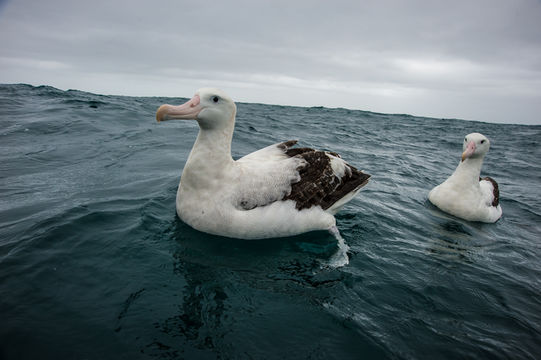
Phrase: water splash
pixel 340 257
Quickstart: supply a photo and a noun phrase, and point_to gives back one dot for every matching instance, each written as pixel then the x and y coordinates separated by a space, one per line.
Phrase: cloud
pixel 445 59
pixel 45 65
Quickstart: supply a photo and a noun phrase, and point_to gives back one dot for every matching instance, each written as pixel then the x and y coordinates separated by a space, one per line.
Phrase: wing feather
pixel 308 177
pixel 491 190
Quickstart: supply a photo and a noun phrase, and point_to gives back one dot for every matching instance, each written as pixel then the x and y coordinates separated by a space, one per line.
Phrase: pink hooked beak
pixel 470 149
pixel 188 110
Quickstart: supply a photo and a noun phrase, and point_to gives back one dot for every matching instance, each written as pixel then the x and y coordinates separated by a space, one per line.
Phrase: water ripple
pixel 90 242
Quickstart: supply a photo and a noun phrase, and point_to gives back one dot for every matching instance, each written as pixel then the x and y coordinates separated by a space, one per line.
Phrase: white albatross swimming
pixel 273 192
pixel 465 194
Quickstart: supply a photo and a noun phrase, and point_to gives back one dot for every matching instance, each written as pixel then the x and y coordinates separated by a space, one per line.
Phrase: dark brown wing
pixel 318 184
pixel 495 190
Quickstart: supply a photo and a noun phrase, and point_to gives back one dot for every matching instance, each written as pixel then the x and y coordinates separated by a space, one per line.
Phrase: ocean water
pixel 94 263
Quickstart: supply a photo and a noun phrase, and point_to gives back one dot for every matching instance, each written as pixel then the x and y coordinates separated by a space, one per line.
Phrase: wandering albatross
pixel 277 191
pixel 465 194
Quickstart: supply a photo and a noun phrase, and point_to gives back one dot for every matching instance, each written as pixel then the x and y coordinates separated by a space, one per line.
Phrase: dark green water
pixel 94 263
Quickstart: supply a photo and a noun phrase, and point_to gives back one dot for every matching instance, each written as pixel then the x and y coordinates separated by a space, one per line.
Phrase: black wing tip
pixel 350 185
pixel 364 178
pixel 357 179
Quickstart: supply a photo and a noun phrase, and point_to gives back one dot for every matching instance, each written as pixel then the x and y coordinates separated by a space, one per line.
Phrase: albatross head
pixel 475 145
pixel 212 109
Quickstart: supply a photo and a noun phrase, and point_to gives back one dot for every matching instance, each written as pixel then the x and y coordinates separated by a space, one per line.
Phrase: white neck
pixel 210 156
pixel 469 170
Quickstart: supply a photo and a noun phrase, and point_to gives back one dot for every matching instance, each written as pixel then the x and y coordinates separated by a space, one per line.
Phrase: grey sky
pixel 478 60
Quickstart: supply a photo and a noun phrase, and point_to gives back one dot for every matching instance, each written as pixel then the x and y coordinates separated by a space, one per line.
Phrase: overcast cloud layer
pixel 478 60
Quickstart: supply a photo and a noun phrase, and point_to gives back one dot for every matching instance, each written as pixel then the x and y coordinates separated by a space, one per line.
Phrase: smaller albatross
pixel 277 191
pixel 465 194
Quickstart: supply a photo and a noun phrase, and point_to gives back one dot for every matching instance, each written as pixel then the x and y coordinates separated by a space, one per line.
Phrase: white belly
pixel 466 203
pixel 215 214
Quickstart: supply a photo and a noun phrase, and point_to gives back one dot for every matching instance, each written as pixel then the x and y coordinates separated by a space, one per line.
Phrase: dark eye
pixel 215 99
pixel 482 141
pixel 466 139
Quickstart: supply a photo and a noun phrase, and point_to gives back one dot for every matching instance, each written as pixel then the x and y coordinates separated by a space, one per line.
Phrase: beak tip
pixel 160 113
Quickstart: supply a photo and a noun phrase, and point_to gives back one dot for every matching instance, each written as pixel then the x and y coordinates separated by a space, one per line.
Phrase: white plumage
pixel 464 194
pixel 273 192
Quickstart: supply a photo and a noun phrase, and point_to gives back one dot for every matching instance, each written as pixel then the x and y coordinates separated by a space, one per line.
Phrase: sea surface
pixel 95 264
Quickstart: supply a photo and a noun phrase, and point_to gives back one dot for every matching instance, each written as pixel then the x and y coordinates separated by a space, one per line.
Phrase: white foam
pixel 340 257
